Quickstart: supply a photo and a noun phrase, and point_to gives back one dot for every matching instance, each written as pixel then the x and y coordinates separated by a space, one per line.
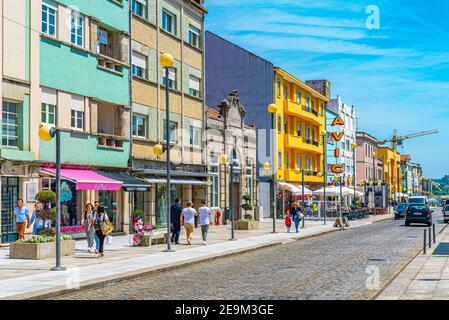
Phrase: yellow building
pixel 299 121
pixel 391 168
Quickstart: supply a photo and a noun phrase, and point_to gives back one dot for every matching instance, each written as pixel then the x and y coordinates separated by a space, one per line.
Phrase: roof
pixel 212 112
pixel 365 135
pixel 302 84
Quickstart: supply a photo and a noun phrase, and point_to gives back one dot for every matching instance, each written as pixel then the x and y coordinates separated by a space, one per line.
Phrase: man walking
pixel 175 217
pixel 22 216
pixel 205 220
pixel 188 219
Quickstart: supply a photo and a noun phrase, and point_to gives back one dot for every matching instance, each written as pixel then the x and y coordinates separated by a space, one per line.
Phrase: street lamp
pixel 273 109
pixel 224 161
pixel 354 178
pixel 323 136
pixel 301 171
pixel 166 61
pixel 47 133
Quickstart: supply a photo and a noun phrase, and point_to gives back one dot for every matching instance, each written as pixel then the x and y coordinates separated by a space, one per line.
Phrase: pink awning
pixel 88 179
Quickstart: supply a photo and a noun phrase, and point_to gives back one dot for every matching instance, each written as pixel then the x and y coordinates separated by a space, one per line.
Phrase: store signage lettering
pixel 338 121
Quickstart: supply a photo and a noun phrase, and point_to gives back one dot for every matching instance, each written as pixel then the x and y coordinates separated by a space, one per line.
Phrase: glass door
pixel 10 195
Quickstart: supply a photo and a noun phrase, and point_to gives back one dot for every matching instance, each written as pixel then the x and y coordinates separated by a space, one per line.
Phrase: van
pixel 418 200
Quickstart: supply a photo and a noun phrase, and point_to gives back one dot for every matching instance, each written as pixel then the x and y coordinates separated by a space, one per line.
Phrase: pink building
pixel 368 170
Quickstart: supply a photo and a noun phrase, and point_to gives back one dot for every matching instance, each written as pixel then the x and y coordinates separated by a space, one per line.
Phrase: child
pixel 288 222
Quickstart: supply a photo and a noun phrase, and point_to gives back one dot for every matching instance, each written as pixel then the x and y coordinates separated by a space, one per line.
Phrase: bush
pixel 46 196
pixel 48 232
pixel 44 239
pixel 248 217
pixel 247 207
pixel 246 197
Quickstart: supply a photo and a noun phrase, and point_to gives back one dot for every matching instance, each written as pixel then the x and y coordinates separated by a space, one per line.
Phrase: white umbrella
pixel 330 191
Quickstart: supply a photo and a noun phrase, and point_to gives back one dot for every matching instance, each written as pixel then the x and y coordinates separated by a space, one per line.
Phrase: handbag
pixel 106 227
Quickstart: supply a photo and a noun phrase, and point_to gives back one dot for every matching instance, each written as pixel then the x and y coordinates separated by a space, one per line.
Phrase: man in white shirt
pixel 188 219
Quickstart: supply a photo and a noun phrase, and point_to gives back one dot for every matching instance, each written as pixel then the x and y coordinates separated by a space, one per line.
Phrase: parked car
pixel 446 213
pixel 399 211
pixel 418 213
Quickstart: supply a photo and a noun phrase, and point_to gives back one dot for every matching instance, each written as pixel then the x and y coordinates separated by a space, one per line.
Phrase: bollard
pixel 430 238
pixel 434 235
pixel 424 242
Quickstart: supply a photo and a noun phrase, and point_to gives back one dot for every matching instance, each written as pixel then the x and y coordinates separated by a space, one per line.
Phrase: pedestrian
pixel 296 214
pixel 100 217
pixel 22 216
pixel 37 219
pixel 97 241
pixel 205 220
pixel 175 217
pixel 188 219
pixel 288 222
pixel 87 221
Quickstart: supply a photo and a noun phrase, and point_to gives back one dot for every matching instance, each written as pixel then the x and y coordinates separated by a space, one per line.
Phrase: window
pixel 299 161
pixel 285 92
pixel 279 88
pixel 49 17
pixel 307 103
pixel 249 181
pixel 139 65
pixel 314 165
pixel 48 106
pixel 308 134
pixel 103 40
pixel 10 124
pixel 77 112
pixel 215 187
pixel 286 161
pixel 308 164
pixel 279 124
pixel 195 136
pixel 299 129
pixel 168 22
pixel 77 29
pixel 194 86
pixel 139 7
pixel 298 97
pixel 279 160
pixel 194 36
pixel 172 131
pixel 286 126
pixel 171 79
pixel 139 126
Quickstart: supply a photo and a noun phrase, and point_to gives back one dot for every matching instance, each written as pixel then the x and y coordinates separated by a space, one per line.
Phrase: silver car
pixel 446 213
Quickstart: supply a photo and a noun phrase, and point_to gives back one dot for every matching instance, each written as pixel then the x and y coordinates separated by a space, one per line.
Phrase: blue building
pixel 229 67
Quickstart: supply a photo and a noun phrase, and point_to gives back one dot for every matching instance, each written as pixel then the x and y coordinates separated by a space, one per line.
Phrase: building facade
pixel 66 65
pixel 227 131
pixel 299 122
pixel 391 170
pixel 228 68
pixel 175 27
pixel 347 154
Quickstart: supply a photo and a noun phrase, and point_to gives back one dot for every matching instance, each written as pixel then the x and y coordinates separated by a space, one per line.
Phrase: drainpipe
pixel 130 82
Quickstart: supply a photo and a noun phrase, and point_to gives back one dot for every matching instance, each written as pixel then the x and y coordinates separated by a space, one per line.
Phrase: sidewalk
pixel 426 277
pixel 20 279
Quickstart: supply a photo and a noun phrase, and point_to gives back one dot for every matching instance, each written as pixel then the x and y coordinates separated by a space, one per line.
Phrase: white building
pixel 347 154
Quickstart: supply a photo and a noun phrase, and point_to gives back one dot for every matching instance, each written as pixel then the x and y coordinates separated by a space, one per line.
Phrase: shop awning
pixel 87 179
pixel 130 183
pixel 176 181
pixel 295 190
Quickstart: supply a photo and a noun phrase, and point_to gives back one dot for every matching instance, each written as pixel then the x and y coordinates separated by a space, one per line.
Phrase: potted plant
pixel 48 211
pixel 247 223
pixel 41 247
pixel 142 234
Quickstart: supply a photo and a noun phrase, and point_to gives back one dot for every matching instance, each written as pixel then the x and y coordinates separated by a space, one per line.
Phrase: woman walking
pixel 87 221
pixel 37 219
pixel 100 217
pixel 205 220
pixel 295 213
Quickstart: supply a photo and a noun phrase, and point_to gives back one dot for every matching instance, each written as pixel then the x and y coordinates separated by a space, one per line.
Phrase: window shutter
pixel 48 96
pixel 194 83
pixel 139 60
pixel 172 74
pixel 77 103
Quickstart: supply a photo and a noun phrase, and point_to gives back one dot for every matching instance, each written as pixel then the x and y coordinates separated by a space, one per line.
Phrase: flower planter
pixel 39 251
pixel 247 225
pixel 145 241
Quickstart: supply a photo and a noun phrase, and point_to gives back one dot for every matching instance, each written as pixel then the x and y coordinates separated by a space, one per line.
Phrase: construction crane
pixel 399 140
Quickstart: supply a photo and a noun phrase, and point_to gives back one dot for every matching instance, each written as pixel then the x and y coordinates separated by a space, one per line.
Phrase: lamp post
pixel 167 61
pixel 47 133
pixel 224 161
pixel 272 109
pixel 301 171
pixel 324 135
pixel 354 177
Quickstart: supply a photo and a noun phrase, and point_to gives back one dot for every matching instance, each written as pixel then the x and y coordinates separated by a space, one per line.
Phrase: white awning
pixel 177 181
pixel 295 190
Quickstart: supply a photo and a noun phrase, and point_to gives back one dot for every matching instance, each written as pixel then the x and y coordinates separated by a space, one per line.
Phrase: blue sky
pixel 397 75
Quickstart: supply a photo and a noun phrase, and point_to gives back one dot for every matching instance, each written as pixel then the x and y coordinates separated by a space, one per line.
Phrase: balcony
pixel 297 110
pixel 110 142
pixel 295 142
pixel 310 176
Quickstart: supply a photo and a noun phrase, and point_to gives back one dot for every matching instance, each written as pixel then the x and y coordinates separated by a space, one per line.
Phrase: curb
pixel 405 265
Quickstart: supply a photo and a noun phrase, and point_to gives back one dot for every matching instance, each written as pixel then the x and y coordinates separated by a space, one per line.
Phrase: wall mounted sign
pixel 338 121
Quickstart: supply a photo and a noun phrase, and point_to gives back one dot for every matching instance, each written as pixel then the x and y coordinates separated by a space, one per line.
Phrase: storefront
pixel 287 193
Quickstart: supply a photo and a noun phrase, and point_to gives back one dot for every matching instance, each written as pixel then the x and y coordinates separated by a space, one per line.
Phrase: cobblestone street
pixel 331 266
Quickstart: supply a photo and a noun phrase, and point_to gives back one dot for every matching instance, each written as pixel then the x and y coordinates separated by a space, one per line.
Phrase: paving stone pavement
pixel 332 266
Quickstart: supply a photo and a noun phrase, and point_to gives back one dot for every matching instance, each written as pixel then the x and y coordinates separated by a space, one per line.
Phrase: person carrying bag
pixel 103 227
